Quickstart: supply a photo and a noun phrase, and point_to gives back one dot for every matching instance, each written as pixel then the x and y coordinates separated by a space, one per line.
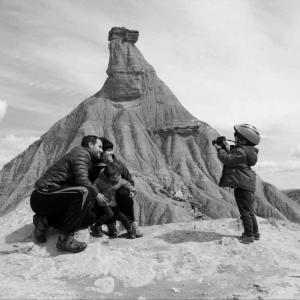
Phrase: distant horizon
pixel 227 62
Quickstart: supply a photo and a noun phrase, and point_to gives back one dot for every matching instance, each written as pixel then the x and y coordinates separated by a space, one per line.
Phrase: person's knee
pixel 88 220
pixel 123 193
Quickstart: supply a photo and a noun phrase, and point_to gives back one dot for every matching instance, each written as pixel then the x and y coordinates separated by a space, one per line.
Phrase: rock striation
pixel 166 148
pixel 293 194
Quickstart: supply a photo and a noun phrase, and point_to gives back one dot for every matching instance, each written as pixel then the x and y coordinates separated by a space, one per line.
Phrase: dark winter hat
pixel 106 144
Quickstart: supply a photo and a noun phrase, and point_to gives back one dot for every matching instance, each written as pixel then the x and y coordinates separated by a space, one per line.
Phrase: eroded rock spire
pixel 126 66
pixel 124 34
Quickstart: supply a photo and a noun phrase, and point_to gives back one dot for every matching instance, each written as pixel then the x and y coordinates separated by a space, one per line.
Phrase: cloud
pixel 296 151
pixel 11 145
pixel 3 108
pixel 274 166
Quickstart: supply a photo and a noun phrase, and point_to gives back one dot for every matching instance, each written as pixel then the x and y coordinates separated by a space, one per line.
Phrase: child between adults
pixel 124 201
pixel 108 182
pixel 237 174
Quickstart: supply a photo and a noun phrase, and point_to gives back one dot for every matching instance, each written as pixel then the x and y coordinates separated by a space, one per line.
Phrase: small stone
pixel 175 290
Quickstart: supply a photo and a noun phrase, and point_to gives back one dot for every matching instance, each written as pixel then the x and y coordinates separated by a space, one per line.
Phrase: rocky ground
pixel 194 260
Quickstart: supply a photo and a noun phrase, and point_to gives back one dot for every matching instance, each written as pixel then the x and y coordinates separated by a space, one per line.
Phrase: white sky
pixel 227 61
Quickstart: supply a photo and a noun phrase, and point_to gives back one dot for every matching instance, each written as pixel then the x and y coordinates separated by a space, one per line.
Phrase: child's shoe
pixel 112 230
pixel 138 232
pixel 246 239
pixel 131 234
pixel 256 235
pixel 96 231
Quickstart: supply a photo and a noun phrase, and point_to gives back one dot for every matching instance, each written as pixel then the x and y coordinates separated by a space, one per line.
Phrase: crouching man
pixel 64 196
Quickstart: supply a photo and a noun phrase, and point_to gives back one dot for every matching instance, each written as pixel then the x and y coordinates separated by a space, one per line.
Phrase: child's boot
pixel 256 236
pixel 246 239
pixel 96 231
pixel 112 229
pixel 138 232
pixel 131 234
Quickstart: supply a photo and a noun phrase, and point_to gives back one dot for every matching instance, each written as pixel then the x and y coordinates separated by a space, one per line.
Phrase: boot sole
pixel 95 235
pixel 244 242
pixel 70 250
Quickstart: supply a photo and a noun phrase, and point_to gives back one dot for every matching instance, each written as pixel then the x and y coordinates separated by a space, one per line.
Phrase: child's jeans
pixel 245 201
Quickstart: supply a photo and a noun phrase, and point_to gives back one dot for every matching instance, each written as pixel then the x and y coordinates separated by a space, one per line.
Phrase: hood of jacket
pixel 251 154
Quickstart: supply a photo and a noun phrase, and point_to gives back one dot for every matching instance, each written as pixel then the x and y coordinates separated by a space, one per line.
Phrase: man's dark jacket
pixel 74 169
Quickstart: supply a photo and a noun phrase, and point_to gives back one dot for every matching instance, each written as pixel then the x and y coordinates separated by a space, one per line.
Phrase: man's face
pixel 96 148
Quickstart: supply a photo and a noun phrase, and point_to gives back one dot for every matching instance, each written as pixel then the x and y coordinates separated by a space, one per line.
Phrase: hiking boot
pixel 67 243
pixel 131 234
pixel 112 230
pixel 246 239
pixel 256 235
pixel 41 227
pixel 96 231
pixel 138 232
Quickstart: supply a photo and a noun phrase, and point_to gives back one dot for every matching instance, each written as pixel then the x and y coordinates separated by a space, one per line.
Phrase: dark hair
pixel 111 169
pixel 89 139
pixel 106 144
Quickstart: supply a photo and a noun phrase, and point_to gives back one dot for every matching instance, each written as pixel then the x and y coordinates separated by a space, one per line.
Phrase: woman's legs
pixel 125 203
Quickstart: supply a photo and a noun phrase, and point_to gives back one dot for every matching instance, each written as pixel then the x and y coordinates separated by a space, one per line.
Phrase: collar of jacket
pixel 93 156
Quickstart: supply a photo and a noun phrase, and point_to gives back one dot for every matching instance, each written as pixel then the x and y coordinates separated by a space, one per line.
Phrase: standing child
pixel 108 182
pixel 237 174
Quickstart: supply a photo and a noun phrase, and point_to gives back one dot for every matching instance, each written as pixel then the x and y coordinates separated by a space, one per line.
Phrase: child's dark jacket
pixel 108 189
pixel 237 172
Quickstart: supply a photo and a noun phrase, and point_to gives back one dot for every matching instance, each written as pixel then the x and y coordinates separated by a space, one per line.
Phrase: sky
pixel 227 61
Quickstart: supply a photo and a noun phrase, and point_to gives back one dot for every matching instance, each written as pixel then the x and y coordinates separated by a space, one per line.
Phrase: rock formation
pixel 293 194
pixel 166 148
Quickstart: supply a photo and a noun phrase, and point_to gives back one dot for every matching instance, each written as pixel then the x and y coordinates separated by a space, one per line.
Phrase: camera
pixel 220 141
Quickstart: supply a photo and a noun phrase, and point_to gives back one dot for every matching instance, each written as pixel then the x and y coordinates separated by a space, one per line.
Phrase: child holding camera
pixel 237 174
pixel 108 182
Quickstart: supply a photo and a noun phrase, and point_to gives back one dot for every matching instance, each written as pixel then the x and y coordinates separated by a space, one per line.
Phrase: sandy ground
pixel 195 260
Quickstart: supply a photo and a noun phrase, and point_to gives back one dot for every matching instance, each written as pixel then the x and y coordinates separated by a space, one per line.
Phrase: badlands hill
pixel 166 148
pixel 293 194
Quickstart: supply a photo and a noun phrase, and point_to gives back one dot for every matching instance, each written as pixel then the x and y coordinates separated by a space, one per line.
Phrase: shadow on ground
pixel 182 236
pixel 21 235
pixel 24 235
